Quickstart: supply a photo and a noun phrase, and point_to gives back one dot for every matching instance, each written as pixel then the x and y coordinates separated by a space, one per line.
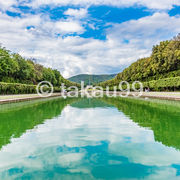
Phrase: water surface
pixel 90 139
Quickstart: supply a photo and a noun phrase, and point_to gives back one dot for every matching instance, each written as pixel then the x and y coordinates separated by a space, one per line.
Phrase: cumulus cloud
pixel 51 43
pixel 152 4
pixel 7 4
pixel 77 13
pixel 68 27
pixel 146 31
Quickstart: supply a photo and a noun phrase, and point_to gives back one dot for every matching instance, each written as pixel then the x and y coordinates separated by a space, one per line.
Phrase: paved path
pixel 159 95
pixel 175 95
pixel 26 97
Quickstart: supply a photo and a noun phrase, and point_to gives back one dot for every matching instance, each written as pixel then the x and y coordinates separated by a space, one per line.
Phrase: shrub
pixel 16 88
pixel 167 84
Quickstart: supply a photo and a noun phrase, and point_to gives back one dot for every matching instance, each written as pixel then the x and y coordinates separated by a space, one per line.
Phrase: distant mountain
pixel 91 79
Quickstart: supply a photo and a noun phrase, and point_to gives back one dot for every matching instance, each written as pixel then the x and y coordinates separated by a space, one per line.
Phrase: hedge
pixel 17 88
pixel 167 84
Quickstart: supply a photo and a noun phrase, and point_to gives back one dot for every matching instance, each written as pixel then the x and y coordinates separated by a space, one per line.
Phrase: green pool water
pixel 109 138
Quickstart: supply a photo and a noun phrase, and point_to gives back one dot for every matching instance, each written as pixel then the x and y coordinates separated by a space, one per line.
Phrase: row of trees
pixel 16 69
pixel 164 62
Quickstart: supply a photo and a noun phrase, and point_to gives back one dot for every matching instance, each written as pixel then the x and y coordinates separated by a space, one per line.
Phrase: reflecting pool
pixel 109 138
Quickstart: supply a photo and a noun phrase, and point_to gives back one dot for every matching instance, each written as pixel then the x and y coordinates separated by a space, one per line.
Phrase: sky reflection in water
pixel 89 139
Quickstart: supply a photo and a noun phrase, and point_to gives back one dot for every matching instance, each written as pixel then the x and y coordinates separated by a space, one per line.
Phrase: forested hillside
pixel 16 69
pixel 91 79
pixel 164 62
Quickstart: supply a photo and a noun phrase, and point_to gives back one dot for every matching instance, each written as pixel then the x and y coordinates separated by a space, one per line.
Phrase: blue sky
pixel 100 37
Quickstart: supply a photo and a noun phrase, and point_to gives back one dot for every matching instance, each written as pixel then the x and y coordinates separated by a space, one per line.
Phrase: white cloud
pixel 146 31
pixel 152 4
pixel 158 4
pixel 5 4
pixel 68 27
pixel 77 13
pixel 73 54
